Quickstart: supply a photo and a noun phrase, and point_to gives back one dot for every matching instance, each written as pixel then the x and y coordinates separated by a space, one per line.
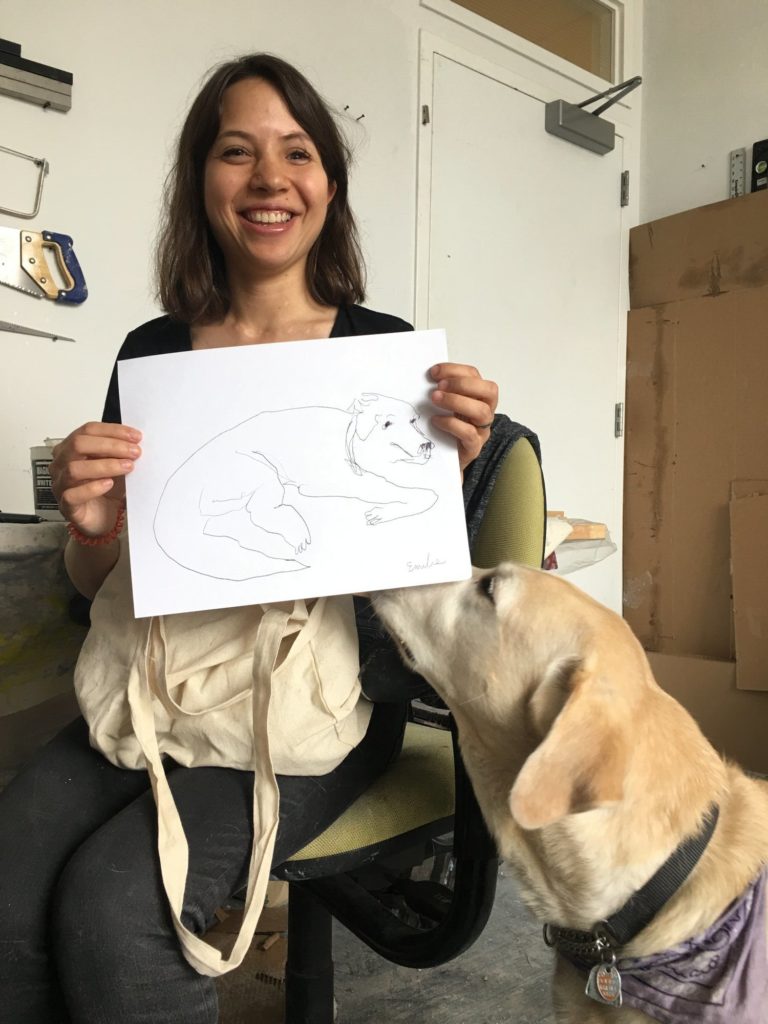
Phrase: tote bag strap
pixel 172 843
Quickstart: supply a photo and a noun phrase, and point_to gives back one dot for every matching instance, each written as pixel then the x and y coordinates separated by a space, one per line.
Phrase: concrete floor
pixel 503 979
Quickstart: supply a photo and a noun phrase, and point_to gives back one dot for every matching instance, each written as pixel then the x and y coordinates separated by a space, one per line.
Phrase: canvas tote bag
pixel 266 689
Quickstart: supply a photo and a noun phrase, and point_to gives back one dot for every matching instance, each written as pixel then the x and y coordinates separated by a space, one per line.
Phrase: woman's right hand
pixel 88 474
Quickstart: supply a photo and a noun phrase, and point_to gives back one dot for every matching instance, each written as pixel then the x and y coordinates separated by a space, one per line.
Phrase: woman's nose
pixel 268 173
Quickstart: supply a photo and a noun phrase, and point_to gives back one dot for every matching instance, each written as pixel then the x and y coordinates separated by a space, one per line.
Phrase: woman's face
pixel 266 192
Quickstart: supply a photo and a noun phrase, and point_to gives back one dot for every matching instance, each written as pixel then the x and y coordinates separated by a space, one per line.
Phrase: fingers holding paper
pixel 88 474
pixel 468 405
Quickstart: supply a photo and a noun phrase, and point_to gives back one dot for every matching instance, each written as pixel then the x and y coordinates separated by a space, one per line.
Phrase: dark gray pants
pixel 85 931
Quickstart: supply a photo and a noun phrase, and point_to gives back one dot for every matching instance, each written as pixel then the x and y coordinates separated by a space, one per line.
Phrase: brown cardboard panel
pixel 734 721
pixel 713 249
pixel 749 565
pixel 747 488
pixel 744 489
pixel 697 391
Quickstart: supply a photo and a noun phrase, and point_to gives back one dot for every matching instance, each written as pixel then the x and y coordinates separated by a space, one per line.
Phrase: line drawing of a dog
pixel 589 775
pixel 225 512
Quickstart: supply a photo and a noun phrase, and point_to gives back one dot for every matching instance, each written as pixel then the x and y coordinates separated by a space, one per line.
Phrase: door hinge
pixel 425 114
pixel 625 188
pixel 618 420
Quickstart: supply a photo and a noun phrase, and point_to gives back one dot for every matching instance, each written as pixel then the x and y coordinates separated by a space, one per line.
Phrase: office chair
pixel 364 869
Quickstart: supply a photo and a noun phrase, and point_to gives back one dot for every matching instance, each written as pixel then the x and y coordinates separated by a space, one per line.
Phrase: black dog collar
pixel 598 945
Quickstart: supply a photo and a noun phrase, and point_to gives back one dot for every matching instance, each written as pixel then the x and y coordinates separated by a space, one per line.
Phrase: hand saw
pixel 23 265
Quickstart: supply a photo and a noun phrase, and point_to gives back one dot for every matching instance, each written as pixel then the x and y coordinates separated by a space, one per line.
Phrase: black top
pixel 162 336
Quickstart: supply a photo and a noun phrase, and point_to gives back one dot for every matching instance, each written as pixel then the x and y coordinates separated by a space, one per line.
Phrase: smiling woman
pixel 223 128
pixel 257 244
pixel 266 190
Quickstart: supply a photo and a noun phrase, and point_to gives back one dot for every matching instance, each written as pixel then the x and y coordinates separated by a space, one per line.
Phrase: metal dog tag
pixel 604 985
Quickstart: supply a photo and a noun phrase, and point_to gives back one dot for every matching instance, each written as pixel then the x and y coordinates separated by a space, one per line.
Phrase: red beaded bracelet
pixel 103 538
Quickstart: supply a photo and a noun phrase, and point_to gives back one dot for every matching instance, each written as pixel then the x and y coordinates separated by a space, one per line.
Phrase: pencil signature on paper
pixel 428 563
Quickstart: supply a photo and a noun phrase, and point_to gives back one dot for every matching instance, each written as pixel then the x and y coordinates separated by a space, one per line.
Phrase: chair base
pixel 309 965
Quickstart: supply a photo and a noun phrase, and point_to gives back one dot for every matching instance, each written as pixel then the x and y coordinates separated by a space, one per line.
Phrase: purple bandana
pixel 720 977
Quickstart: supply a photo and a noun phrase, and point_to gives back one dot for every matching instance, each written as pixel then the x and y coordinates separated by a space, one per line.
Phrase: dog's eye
pixel 413 421
pixel 387 423
pixel 486 585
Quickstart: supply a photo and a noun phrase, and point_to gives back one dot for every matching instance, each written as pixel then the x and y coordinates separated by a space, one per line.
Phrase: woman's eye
pixel 233 152
pixel 298 155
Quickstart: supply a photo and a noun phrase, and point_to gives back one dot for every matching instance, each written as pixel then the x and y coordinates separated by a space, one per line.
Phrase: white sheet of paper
pixel 300 469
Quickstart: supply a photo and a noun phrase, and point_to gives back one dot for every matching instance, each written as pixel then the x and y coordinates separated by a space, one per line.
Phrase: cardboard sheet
pixel 733 720
pixel 273 472
pixel 722 247
pixel 697 394
pixel 749 565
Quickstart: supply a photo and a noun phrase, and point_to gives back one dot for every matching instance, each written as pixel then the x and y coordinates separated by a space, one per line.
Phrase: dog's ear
pixel 581 762
pixel 363 414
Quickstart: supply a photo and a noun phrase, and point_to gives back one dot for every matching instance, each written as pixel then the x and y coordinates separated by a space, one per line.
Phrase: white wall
pixel 136 67
pixel 704 85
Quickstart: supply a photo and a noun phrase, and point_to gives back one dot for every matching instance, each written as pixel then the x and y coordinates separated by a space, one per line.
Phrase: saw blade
pixel 12 273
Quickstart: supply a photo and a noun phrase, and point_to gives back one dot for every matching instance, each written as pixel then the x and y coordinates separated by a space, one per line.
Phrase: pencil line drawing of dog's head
pixel 384 431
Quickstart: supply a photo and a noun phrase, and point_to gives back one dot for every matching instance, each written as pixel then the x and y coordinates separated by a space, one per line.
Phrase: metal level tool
pixel 737 161
pixel 5 325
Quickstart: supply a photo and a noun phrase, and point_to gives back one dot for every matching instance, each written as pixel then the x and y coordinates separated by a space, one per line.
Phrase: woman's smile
pixel 268 220
pixel 263 217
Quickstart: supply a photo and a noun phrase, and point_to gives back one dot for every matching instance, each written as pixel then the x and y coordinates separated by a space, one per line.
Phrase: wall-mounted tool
pixel 23 265
pixel 737 162
pixel 19 329
pixel 759 165
pixel 42 169
pixel 24 79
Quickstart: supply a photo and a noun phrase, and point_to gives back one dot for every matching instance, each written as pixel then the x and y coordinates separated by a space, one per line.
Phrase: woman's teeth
pixel 267 216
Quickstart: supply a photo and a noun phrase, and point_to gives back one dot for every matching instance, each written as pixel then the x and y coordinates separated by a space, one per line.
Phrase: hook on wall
pixel 359 118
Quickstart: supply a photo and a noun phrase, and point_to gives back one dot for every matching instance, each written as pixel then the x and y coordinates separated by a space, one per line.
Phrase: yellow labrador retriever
pixel 639 847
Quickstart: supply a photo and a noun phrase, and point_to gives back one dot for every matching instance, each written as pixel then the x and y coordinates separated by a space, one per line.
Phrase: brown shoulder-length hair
pixel 191 279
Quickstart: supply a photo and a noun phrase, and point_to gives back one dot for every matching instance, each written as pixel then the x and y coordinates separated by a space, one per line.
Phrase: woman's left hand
pixel 469 402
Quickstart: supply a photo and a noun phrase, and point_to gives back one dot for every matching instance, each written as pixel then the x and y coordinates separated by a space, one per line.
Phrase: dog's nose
pixel 427 447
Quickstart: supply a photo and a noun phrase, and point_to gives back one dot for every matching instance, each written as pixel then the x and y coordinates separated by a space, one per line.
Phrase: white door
pixel 520 259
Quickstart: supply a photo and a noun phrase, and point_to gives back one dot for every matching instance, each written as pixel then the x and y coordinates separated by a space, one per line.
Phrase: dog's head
pixel 552 688
pixel 385 431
